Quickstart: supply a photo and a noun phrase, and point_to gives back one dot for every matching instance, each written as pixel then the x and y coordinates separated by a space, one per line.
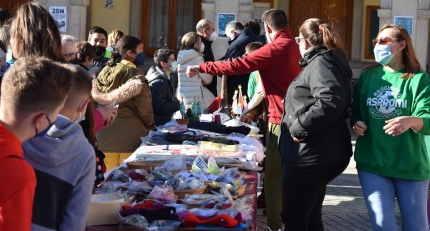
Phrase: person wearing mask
pixel 68 48
pixel 206 30
pixel 121 83
pixel 113 38
pixel 64 163
pixel 315 142
pixel 278 66
pixel 97 37
pixel 190 88
pixel 31 21
pixel 33 92
pixel 391 116
pixel 164 102
pixel 238 38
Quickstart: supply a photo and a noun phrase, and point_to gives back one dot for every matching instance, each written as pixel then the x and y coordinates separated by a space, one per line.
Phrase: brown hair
pixel 84 50
pixel 253 25
pixel 114 36
pixel 189 41
pixel 275 18
pixel 82 84
pixel 35 32
pixel 33 84
pixel 253 46
pixel 409 57
pixel 316 32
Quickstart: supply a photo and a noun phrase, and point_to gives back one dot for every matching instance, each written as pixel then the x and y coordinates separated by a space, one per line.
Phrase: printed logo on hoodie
pixel 387 103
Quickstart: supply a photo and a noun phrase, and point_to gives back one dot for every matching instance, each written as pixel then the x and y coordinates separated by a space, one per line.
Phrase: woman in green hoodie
pixel 391 115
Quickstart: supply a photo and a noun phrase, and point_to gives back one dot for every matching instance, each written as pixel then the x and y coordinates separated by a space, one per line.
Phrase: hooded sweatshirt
pixel 188 88
pixel 64 163
pixel 18 183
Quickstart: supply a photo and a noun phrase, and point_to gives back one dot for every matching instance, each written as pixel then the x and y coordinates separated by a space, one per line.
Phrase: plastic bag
pixel 176 163
pixel 199 164
pixel 163 193
pixel 164 225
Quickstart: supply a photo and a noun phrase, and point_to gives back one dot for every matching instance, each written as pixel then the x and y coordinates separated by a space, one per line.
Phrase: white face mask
pixel 174 66
pixel 202 48
pixel 213 36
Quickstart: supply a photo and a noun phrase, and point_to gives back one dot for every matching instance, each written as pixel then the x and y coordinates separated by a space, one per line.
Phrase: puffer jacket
pixel 188 88
pixel 129 88
pixel 163 100
pixel 316 105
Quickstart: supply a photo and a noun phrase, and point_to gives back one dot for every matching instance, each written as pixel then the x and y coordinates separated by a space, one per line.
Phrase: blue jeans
pixel 379 193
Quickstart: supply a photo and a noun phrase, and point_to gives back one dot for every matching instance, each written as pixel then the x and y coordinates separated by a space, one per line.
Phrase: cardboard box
pixel 103 213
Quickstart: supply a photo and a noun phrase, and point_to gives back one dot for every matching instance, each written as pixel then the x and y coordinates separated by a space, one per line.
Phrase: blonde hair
pixel 114 37
pixel 189 40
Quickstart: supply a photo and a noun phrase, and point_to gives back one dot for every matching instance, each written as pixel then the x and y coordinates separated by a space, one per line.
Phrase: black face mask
pixel 74 61
pixel 100 51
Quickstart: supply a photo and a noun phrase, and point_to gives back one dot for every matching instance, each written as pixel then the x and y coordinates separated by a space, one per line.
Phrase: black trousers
pixel 303 193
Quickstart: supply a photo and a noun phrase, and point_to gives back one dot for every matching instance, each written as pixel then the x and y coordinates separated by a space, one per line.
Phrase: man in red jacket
pixel 33 91
pixel 278 64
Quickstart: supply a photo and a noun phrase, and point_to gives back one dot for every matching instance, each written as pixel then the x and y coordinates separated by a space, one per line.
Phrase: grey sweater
pixel 64 163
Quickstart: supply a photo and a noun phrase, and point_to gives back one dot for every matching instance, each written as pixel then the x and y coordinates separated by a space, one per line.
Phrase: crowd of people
pixel 70 110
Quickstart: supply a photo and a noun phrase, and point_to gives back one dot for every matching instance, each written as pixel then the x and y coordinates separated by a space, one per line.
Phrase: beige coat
pixel 129 88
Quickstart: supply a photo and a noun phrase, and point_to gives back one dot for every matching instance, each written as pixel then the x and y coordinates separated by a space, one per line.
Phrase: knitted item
pixel 221 220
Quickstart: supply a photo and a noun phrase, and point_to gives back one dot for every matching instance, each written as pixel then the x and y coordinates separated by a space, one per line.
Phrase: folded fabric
pixel 137 210
pixel 223 220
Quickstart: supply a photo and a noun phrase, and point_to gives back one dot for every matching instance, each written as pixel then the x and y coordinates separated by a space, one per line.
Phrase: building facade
pixel 161 23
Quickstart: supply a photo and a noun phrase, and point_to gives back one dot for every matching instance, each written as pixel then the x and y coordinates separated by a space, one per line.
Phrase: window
pixel 164 22
pixel 336 12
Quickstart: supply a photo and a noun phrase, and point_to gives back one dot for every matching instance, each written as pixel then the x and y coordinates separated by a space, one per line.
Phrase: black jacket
pixel 208 56
pixel 163 101
pixel 315 109
pixel 234 50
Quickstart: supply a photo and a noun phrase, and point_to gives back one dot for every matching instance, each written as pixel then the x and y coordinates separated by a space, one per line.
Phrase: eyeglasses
pixel 298 39
pixel 70 55
pixel 382 41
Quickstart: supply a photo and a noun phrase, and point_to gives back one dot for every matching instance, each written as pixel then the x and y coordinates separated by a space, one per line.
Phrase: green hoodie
pixel 378 96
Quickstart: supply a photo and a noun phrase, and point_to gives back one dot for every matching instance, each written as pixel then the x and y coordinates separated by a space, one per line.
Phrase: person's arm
pixel 419 121
pixel 76 212
pixel 206 78
pixel 143 103
pixel 257 60
pixel 328 87
pixel 99 122
pixel 160 104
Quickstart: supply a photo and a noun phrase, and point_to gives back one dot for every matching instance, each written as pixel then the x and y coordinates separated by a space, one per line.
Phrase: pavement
pixel 344 207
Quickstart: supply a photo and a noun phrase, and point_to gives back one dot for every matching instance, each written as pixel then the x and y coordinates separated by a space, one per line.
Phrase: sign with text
pixel 59 13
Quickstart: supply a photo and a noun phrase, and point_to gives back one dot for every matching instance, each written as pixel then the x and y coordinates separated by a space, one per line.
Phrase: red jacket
pixel 278 66
pixel 18 182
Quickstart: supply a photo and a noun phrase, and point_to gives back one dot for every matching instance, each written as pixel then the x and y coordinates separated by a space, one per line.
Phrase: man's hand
pixel 192 70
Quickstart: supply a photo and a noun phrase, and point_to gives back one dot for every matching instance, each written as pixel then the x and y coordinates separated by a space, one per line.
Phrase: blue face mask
pixel 383 54
pixel 43 133
pixel 140 59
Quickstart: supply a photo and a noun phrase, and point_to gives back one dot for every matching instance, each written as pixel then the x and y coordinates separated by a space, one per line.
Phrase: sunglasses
pixel 298 39
pixel 70 56
pixel 382 41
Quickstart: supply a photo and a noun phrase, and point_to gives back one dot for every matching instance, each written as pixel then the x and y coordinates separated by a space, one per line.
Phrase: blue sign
pixel 406 22
pixel 223 19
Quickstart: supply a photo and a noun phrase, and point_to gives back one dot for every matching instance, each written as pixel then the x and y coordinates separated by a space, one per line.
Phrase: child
pixel 65 163
pixel 33 91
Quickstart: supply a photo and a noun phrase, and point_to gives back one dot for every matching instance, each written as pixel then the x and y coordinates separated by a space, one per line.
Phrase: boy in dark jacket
pixel 164 102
